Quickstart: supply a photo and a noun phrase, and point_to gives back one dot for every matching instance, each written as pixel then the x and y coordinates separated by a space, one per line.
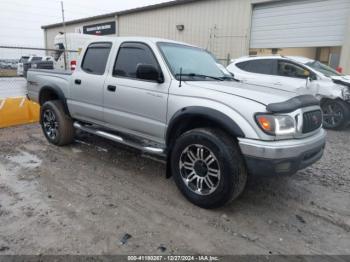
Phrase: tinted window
pixel 262 66
pixel 95 58
pixel 242 65
pixel 131 55
pixel 288 69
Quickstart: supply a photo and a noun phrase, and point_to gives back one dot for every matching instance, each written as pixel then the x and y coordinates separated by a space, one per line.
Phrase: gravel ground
pixel 97 197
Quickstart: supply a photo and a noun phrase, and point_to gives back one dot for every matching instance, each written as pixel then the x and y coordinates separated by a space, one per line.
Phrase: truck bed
pixel 38 78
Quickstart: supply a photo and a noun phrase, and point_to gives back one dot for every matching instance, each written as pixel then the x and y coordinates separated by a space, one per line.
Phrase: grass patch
pixel 8 72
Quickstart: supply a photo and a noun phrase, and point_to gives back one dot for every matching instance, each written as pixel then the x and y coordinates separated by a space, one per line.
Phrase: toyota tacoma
pixel 175 100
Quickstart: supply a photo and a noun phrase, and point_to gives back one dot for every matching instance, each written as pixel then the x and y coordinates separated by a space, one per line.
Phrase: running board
pixel 120 140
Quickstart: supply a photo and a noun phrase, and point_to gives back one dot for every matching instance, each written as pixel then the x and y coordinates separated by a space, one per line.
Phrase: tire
pixel 227 165
pixel 56 125
pixel 336 114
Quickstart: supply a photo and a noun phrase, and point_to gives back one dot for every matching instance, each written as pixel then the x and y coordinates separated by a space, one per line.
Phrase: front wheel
pixel 208 168
pixel 336 114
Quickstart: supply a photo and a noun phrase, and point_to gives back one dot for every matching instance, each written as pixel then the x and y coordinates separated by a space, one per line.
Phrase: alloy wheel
pixel 200 169
pixel 332 115
pixel 50 124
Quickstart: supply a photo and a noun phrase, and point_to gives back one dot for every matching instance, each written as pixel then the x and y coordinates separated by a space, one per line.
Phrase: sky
pixel 21 20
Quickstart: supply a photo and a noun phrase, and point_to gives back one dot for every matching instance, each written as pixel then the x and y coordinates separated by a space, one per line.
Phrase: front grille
pixel 311 121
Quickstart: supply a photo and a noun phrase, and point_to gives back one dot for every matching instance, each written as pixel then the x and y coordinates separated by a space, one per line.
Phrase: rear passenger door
pixel 86 92
pixel 132 104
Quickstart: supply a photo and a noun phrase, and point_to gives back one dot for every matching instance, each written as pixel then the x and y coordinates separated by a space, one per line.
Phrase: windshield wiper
pixel 199 75
pixel 228 78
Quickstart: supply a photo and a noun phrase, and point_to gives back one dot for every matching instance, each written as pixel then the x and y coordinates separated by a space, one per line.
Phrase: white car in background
pixel 300 76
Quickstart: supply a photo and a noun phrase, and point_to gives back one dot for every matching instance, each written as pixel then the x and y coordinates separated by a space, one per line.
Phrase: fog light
pixel 283 167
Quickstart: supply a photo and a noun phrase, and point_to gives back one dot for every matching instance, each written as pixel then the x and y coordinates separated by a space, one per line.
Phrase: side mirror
pixel 149 72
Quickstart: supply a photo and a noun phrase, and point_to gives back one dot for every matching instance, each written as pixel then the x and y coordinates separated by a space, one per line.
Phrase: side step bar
pixel 121 140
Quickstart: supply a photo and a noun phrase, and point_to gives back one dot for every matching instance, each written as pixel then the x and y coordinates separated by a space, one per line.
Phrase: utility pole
pixel 65 36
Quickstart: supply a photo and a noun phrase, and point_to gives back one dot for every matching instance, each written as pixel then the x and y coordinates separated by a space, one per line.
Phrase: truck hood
pixel 258 93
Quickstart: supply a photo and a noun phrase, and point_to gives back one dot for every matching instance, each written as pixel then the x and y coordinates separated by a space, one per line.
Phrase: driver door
pixel 132 104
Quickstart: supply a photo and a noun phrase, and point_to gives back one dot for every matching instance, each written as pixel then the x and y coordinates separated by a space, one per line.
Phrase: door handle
pixel 77 81
pixel 111 88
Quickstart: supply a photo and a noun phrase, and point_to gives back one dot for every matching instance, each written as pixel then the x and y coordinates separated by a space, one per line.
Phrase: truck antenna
pixel 180 84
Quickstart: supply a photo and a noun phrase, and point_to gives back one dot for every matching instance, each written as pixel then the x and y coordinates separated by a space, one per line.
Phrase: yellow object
pixel 18 111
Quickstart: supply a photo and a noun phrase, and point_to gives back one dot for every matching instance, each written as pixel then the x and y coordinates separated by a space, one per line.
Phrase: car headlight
pixel 276 124
pixel 346 93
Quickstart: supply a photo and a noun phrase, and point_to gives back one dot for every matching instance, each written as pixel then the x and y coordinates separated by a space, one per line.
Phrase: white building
pixel 231 28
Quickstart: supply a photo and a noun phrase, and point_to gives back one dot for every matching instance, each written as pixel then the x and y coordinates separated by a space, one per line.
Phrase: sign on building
pixel 107 28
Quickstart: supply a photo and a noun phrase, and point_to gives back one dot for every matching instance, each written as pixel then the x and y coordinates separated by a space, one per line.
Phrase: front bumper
pixel 282 157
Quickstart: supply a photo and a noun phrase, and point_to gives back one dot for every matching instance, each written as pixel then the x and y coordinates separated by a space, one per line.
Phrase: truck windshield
pixel 194 64
pixel 23 59
pixel 324 69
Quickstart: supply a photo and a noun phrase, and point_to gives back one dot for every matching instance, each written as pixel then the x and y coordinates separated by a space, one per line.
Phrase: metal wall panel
pixel 221 26
pixel 302 23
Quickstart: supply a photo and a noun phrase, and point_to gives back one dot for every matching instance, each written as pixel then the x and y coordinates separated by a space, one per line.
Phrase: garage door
pixel 311 23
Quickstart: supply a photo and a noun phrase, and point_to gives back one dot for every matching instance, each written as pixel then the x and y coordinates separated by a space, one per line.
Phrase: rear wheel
pixel 208 167
pixel 336 114
pixel 56 125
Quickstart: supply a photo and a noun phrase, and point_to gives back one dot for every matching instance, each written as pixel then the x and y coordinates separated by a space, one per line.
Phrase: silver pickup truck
pixel 175 100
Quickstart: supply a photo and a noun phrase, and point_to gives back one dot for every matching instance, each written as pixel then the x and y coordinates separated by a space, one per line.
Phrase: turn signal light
pixel 276 124
pixel 266 123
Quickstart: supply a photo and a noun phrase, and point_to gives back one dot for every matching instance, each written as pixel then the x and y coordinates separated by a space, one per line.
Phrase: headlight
pixel 276 124
pixel 346 93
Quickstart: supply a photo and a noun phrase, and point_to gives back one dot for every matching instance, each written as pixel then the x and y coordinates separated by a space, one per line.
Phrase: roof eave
pixel 124 12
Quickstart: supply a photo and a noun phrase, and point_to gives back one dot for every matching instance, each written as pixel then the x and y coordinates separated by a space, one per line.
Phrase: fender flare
pixel 204 112
pixel 58 92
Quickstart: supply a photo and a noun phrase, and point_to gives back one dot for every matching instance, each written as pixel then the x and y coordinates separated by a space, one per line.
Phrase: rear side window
pixel 242 65
pixel 96 57
pixel 130 55
pixel 262 66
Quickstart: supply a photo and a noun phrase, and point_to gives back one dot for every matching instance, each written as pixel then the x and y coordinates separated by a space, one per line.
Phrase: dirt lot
pixel 84 198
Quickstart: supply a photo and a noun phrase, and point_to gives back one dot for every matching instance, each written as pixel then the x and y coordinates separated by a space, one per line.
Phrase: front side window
pixel 130 56
pixel 193 63
pixel 288 69
pixel 96 57
pixel 261 66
